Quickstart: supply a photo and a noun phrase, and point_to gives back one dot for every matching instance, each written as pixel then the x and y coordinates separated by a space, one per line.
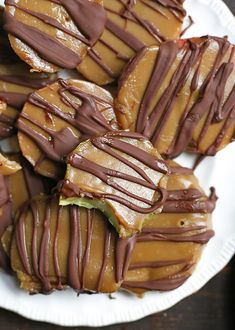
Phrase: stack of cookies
pixel 90 197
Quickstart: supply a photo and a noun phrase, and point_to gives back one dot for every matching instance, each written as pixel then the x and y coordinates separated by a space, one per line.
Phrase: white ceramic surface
pixel 211 17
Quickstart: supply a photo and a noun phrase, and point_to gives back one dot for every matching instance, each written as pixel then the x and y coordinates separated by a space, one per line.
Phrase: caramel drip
pixel 49 48
pixel 37 265
pixel 108 144
pixel 88 120
pixel 210 94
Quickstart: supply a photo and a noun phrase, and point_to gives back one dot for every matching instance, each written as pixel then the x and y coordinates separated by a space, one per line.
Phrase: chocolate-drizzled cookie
pixel 15 189
pixel 186 98
pixel 130 26
pixel 54 247
pixel 53 34
pixel 57 118
pixel 16 83
pixel 119 173
pixel 171 244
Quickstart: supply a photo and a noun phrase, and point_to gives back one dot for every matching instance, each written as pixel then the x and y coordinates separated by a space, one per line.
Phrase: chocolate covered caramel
pixel 54 247
pixel 55 34
pixel 119 173
pixel 57 118
pixel 170 245
pixel 15 189
pixel 130 26
pixel 186 98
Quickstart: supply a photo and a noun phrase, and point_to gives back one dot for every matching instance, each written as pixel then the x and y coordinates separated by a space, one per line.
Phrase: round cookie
pixel 16 83
pixel 170 244
pixel 119 173
pixel 130 26
pixel 54 34
pixel 57 118
pixel 15 189
pixel 185 100
pixel 54 247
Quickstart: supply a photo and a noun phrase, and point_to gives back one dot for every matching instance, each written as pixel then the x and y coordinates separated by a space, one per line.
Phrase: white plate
pixel 211 17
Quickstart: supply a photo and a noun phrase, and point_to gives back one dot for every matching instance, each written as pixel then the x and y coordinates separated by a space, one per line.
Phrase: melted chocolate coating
pixel 94 259
pixel 188 102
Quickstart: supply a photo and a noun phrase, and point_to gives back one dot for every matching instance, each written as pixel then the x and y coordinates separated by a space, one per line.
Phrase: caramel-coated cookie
pixel 57 118
pixel 171 243
pixel 130 26
pixel 119 173
pixel 181 95
pixel 54 34
pixel 54 247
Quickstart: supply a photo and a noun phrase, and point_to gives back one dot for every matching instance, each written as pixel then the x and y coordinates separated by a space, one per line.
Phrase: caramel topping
pixel 122 169
pixel 186 100
pixel 61 36
pixel 54 247
pixel 67 112
pixel 130 26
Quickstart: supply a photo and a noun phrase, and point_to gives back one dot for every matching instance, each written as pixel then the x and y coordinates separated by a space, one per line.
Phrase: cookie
pixel 57 118
pixel 55 247
pixel 181 95
pixel 51 35
pixel 170 245
pixel 119 173
pixel 130 26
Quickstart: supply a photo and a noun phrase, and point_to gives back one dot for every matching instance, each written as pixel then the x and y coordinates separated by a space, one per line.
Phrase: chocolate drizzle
pixel 87 119
pixel 34 186
pixel 182 201
pixel 50 48
pixel 211 94
pixel 110 143
pixel 129 14
pixel 36 263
